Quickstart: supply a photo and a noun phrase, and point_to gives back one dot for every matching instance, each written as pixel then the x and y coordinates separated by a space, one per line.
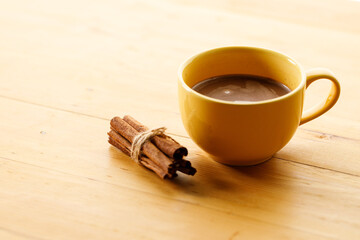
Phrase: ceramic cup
pixel 247 133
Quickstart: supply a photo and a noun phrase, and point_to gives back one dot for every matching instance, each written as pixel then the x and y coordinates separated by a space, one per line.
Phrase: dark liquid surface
pixel 241 88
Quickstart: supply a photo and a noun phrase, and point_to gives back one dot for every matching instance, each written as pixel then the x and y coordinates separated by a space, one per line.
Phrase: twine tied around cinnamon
pixel 141 139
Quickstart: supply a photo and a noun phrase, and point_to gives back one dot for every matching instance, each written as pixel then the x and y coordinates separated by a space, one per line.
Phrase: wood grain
pixel 13 235
pixel 96 61
pixel 67 67
pixel 102 210
pixel 280 192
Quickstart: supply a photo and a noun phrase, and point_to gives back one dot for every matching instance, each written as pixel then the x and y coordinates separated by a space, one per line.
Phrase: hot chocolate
pixel 241 87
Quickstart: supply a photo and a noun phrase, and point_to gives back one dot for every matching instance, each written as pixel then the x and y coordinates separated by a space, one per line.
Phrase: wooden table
pixel 67 67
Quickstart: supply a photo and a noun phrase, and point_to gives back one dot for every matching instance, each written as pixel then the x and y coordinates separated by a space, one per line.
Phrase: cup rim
pixel 241 103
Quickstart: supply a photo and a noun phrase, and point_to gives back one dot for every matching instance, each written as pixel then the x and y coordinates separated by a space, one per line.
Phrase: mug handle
pixel 319 109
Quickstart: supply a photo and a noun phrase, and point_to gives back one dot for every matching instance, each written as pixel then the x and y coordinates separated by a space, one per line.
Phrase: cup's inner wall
pixel 242 60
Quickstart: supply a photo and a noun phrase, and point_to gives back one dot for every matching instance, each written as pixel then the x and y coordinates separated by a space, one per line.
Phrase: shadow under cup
pixel 241 133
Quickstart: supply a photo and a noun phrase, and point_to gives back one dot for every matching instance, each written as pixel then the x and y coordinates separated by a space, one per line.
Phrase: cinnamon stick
pixel 187 170
pixel 165 143
pixel 149 164
pixel 118 145
pixel 121 143
pixel 152 152
pixel 164 155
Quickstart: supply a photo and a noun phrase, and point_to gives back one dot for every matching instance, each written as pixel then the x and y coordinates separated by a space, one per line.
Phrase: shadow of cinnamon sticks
pixel 213 180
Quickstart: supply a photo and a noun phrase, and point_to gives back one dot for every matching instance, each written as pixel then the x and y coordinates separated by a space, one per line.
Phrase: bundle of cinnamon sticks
pixel 162 154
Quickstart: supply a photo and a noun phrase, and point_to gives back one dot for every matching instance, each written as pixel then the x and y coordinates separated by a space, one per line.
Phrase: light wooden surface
pixel 67 67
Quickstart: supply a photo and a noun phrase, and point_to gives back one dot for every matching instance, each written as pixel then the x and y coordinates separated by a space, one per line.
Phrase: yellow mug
pixel 247 133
